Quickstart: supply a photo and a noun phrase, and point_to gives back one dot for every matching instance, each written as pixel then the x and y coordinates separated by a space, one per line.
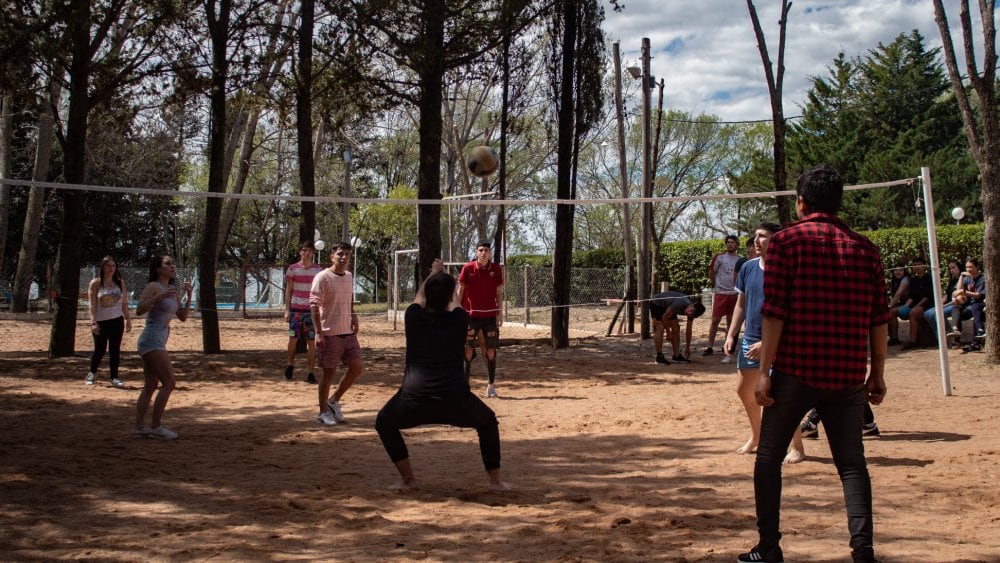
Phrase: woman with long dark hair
pixel 109 319
pixel 160 298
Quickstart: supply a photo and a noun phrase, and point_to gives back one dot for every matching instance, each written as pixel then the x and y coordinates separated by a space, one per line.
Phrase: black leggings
pixel 108 337
pixel 465 411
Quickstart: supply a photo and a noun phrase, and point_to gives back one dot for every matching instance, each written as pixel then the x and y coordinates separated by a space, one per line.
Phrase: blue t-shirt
pixel 750 282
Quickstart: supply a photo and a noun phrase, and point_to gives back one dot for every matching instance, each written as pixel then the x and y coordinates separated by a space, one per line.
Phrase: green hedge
pixel 685 264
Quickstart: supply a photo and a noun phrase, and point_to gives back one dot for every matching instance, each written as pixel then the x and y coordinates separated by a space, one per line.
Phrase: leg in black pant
pixel 778 423
pixel 115 329
pixel 464 411
pixel 842 416
pixel 100 345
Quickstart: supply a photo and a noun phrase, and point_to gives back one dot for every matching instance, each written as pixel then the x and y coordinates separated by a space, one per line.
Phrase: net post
pixel 925 180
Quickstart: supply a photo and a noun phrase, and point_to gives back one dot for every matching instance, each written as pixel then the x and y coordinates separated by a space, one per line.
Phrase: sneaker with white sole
pixel 727 359
pixel 89 380
pixel 116 382
pixel 338 414
pixel 759 555
pixel 161 432
pixel 326 418
pixel 870 429
pixel 491 392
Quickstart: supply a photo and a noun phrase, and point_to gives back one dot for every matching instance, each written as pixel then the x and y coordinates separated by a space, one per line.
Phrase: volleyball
pixel 482 161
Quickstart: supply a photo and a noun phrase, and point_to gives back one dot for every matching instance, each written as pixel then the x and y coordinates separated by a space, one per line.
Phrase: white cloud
pixel 707 53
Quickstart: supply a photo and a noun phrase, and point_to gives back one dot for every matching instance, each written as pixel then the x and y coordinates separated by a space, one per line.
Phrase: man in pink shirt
pixel 331 300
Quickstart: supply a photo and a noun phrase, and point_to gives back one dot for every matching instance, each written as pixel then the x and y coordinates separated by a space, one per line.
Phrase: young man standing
pixel 479 291
pixel 332 302
pixel 664 309
pixel 817 355
pixel 722 272
pixel 298 281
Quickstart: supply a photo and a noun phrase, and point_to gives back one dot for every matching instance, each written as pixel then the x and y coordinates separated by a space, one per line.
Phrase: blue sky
pixel 707 53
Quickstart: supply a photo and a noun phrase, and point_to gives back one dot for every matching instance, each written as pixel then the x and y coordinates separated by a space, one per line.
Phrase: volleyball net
pixel 385 272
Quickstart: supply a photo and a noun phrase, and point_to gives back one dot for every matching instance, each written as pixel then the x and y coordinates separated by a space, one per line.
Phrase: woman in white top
pixel 109 319
pixel 161 299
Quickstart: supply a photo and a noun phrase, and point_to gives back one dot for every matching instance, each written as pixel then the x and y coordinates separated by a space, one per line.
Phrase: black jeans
pixel 109 337
pixel 842 413
pixel 465 411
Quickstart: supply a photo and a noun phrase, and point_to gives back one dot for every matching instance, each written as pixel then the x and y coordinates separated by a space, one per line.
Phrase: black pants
pixel 109 337
pixel 464 411
pixel 842 413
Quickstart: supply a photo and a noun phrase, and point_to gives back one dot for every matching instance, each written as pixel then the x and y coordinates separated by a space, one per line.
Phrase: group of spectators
pixel 911 298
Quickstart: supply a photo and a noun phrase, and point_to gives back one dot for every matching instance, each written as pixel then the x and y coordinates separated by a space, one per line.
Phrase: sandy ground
pixel 611 457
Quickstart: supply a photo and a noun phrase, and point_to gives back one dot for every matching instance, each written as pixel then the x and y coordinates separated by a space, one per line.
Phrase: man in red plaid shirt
pixel 824 308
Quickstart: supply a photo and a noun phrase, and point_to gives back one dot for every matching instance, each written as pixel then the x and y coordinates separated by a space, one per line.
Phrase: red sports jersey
pixel 480 294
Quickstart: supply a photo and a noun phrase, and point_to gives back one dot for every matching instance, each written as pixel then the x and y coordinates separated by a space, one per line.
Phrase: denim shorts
pixel 742 361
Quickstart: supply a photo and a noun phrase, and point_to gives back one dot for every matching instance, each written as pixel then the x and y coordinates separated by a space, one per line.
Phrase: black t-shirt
pixel 674 301
pixel 922 288
pixel 435 352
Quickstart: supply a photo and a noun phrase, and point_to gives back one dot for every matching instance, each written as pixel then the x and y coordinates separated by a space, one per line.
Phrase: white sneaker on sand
pixel 491 392
pixel 338 414
pixel 116 382
pixel 89 380
pixel 326 418
pixel 161 432
pixel 727 359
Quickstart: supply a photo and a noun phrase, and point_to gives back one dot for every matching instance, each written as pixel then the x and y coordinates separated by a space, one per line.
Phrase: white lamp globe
pixel 957 214
pixel 320 245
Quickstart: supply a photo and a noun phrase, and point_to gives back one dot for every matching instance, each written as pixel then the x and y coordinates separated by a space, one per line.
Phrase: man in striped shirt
pixel 824 308
pixel 298 280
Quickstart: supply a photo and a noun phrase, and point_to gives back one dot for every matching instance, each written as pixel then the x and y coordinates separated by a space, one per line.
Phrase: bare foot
pixel 748 448
pixel 499 487
pixel 794 456
pixel 407 485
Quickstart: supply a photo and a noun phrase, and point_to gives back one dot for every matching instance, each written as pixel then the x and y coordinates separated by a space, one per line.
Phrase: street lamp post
pixel 346 207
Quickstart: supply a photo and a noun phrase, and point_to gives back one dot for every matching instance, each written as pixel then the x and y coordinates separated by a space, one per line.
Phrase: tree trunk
pixel 983 134
pixel 230 206
pixel 563 251
pixel 429 171
pixel 36 201
pixel 303 112
pixel 218 25
pixel 62 340
pixel 6 138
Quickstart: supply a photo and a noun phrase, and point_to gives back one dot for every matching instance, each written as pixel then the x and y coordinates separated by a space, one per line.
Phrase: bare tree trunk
pixel 654 267
pixel 230 206
pixel 303 112
pixel 6 169
pixel 36 201
pixel 983 134
pixel 431 93
pixel 629 291
pixel 774 86
pixel 563 252
pixel 218 25
pixel 62 339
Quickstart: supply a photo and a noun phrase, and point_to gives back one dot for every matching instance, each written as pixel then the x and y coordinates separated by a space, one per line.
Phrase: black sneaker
pixel 759 555
pixel 680 359
pixel 809 430
pixel 708 352
pixel 660 359
pixel 870 429
pixel 289 370
pixel 311 378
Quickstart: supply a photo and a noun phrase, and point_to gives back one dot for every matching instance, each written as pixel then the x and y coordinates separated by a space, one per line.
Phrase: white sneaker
pixel 89 380
pixel 338 414
pixel 161 432
pixel 727 359
pixel 326 418
pixel 118 383
pixel 491 391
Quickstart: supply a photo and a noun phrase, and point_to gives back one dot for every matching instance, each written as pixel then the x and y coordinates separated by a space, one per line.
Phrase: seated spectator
pixel 930 314
pixel 973 288
pixel 921 296
pixel 898 289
